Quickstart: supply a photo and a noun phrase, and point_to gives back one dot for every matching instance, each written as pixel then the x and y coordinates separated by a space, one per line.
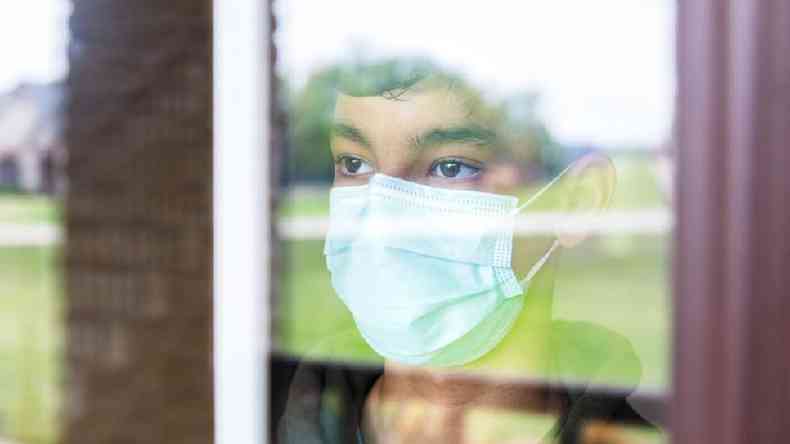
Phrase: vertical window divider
pixel 242 220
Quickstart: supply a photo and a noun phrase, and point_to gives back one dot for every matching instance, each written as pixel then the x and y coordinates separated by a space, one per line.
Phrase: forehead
pixel 414 110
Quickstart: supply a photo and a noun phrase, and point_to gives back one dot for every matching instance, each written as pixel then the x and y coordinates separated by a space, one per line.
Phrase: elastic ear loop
pixel 542 190
pixel 542 261
pixel 538 265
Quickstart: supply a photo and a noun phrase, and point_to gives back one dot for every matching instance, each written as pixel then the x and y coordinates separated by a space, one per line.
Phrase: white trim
pixel 241 221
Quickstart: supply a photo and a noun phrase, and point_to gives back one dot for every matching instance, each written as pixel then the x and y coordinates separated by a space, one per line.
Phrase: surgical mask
pixel 426 272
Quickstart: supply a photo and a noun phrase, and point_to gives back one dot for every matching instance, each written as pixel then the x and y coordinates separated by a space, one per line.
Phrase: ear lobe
pixel 588 185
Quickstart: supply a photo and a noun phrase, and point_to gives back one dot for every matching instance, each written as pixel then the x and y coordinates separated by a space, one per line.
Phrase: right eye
pixel 353 166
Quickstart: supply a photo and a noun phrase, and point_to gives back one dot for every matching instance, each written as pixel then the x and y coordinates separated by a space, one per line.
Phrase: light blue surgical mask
pixel 426 272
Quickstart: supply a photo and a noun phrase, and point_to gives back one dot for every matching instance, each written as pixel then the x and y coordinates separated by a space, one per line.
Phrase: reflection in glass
pixel 490 272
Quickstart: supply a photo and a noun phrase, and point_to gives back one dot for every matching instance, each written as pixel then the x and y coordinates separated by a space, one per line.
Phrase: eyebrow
pixel 468 135
pixel 351 133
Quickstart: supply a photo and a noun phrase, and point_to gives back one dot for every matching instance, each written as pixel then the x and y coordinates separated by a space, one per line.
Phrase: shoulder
pixel 586 357
pixel 315 391
pixel 589 354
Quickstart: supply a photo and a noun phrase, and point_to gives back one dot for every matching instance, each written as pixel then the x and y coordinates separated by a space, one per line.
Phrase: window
pixel 462 215
pixel 407 144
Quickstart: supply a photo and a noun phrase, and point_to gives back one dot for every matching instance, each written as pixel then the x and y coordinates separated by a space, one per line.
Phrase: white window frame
pixel 241 221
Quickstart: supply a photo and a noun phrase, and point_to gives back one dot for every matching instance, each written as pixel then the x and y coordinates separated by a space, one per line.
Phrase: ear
pixel 587 187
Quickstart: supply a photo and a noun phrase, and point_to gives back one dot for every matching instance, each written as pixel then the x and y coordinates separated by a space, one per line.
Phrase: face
pixel 433 135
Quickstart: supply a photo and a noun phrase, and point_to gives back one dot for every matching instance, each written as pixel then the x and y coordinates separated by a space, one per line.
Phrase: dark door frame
pixel 732 247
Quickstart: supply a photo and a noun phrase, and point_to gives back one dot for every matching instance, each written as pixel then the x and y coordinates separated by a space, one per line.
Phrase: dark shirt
pixel 322 402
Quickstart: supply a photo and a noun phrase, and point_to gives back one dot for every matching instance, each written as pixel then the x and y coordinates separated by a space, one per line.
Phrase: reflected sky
pixel 33 38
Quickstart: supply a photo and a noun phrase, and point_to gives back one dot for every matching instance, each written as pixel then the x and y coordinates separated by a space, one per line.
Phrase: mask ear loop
pixel 538 265
pixel 542 261
pixel 541 191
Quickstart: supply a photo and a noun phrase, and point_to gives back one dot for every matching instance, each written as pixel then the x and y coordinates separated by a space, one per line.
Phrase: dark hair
pixel 525 141
pixel 389 78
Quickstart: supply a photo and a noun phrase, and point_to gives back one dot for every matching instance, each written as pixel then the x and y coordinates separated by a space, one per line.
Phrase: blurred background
pixel 33 42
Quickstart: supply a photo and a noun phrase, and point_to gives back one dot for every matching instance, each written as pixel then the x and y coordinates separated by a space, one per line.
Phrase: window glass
pixel 33 38
pixel 474 220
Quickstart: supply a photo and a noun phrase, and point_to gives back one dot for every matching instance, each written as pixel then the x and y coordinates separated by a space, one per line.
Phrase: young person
pixel 422 251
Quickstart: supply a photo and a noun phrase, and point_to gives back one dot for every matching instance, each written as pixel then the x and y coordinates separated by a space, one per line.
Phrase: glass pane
pixel 33 39
pixel 475 220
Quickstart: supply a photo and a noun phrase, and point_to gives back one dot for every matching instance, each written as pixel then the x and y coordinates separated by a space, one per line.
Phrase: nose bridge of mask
pixel 459 225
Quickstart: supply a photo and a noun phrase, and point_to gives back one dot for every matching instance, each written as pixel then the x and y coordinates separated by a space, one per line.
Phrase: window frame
pixel 242 220
pixel 730 383
pixel 730 380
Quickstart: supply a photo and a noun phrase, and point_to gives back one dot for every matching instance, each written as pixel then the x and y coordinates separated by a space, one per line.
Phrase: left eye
pixel 354 166
pixel 454 169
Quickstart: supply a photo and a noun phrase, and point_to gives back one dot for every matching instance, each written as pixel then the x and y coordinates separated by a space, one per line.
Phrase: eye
pixel 353 166
pixel 454 169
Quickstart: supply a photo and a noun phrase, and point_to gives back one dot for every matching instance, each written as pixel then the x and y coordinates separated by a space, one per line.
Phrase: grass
pixel 19 208
pixel 31 326
pixel 637 186
pixel 31 335
pixel 305 202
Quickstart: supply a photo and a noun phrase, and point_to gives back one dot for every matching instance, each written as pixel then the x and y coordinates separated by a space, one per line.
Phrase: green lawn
pixel 31 326
pixel 17 208
pixel 637 186
pixel 31 335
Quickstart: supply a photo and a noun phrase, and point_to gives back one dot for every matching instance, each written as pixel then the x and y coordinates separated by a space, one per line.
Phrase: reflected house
pixel 31 146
